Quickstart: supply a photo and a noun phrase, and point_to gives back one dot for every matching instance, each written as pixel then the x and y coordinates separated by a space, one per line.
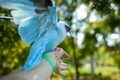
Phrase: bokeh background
pixel 93 45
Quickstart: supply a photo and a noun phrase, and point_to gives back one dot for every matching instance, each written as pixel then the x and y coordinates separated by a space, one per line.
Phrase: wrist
pixel 51 59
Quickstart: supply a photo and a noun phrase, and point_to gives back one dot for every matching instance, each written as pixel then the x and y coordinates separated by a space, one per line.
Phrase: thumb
pixel 61 53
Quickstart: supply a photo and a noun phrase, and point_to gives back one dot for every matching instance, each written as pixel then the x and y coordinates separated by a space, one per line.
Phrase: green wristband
pixel 50 61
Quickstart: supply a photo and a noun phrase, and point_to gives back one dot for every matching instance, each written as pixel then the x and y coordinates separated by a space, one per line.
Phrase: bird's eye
pixel 67 28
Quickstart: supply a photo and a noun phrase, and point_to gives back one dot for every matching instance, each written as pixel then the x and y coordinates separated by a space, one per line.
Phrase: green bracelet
pixel 50 61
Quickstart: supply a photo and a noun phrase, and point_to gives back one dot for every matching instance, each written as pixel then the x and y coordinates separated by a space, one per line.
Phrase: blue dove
pixel 38 26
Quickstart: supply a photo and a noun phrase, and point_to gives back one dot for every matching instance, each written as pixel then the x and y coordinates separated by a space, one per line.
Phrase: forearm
pixel 41 72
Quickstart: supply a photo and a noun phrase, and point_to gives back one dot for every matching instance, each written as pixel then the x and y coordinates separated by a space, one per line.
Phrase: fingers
pixel 61 53
pixel 64 66
pixel 61 66
pixel 57 49
pixel 62 73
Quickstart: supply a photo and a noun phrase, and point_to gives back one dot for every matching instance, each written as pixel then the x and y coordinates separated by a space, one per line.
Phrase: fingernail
pixel 65 55
pixel 57 49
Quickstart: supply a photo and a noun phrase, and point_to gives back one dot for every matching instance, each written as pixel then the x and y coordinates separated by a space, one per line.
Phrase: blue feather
pixel 37 26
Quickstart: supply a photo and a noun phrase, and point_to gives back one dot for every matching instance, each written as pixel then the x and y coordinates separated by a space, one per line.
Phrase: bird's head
pixel 65 25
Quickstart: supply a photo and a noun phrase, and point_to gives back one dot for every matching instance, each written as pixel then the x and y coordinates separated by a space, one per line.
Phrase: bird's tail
pixel 6 18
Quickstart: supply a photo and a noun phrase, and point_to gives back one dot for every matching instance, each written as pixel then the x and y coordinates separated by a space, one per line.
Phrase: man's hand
pixel 60 53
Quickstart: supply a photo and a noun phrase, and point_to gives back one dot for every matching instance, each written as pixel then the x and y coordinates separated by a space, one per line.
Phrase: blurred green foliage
pixel 13 51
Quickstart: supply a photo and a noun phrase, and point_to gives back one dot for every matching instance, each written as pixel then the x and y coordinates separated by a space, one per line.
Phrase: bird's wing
pixel 34 17
pixel 36 52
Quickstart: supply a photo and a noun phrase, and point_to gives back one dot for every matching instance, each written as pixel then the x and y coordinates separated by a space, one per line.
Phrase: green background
pixel 106 58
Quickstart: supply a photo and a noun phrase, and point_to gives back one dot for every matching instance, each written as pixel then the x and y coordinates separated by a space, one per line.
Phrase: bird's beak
pixel 68 29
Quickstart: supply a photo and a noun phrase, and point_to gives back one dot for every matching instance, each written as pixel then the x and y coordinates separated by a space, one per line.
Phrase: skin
pixel 44 70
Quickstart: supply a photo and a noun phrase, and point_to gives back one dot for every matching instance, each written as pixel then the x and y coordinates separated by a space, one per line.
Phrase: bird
pixel 38 26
